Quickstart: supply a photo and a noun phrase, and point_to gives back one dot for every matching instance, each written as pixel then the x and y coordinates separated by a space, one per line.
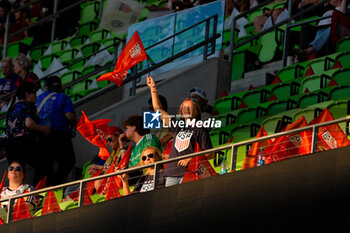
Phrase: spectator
pixel 16 176
pixel 142 138
pixel 149 155
pixel 114 141
pixel 323 33
pixel 185 137
pixel 98 164
pixel 56 111
pixel 21 66
pixel 20 22
pixel 24 132
pixel 200 96
pixel 7 84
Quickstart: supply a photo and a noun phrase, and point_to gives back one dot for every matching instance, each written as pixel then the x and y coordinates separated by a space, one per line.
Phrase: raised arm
pixel 157 106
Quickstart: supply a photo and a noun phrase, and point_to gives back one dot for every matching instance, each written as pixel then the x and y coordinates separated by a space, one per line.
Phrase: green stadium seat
pixel 46 60
pixel 228 118
pixel 17 47
pixel 279 106
pixel 343 45
pixel 340 92
pixel 256 97
pixel 90 48
pixel 58 46
pixel 87 28
pixel 99 35
pixel 243 132
pixel 78 40
pixel 342 76
pixel 221 135
pixel 70 76
pixel 284 90
pixel 89 11
pixel 317 65
pixel 289 73
pixel 250 115
pixel 37 52
pixel 270 124
pixel 343 59
pixel 311 83
pixel 312 111
pixel 68 55
pixel 238 65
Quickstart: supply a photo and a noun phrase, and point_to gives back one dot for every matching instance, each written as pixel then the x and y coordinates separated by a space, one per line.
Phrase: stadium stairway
pixel 304 194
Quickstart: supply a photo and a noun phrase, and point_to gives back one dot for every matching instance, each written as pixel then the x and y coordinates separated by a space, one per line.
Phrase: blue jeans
pixel 170 181
pixel 321 38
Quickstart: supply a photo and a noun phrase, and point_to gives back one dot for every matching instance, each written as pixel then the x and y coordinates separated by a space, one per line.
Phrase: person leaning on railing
pixel 149 155
pixel 186 137
pixel 16 176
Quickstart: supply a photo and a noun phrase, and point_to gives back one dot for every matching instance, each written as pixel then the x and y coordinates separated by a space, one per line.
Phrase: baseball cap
pixel 198 91
pixel 113 130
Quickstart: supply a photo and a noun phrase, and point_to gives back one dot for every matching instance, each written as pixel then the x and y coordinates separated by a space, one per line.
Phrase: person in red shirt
pixel 21 66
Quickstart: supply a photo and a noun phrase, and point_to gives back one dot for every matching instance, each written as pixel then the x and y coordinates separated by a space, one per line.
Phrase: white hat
pixel 198 91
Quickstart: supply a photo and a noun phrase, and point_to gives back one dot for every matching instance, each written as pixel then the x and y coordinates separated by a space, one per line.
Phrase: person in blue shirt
pixel 56 110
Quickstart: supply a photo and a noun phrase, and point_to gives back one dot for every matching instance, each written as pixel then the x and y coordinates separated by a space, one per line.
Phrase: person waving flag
pixel 132 54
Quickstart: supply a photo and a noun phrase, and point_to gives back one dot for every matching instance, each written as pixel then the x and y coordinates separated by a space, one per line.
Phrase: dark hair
pixel 136 120
pixel 25 87
pixel 163 102
pixel 53 83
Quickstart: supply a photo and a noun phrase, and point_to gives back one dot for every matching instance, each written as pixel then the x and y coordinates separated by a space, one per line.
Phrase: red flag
pixel 95 132
pixel 2 221
pixel 50 204
pixel 306 90
pixel 75 196
pixel 112 188
pixel 250 87
pixel 288 146
pixel 124 163
pixel 331 136
pixel 251 158
pixel 20 210
pixel 41 184
pixel 198 168
pixel 3 181
pixel 132 54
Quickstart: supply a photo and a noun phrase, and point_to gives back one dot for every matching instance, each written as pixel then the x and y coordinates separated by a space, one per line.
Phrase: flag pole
pixel 149 73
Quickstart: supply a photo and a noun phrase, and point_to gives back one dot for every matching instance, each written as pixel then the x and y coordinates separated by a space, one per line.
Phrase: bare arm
pixel 32 125
pixel 157 106
pixel 343 6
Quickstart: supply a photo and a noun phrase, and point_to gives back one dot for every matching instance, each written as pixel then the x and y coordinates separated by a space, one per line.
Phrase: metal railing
pixel 233 147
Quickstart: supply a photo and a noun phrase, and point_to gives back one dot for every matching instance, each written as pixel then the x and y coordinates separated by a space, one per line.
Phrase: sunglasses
pixel 109 140
pixel 17 169
pixel 149 156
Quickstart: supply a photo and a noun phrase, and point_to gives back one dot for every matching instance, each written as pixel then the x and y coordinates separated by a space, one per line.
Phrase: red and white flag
pixel 132 54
